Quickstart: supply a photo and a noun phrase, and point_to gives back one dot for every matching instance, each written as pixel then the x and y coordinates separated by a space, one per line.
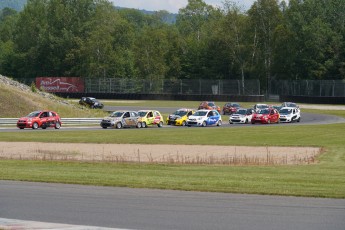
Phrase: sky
pixel 171 6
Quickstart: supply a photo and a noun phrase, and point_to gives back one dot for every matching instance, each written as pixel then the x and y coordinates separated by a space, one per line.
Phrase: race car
pixel 241 116
pixel 266 116
pixel 258 107
pixel 230 108
pixel 150 118
pixel 205 118
pixel 209 105
pixel 40 119
pixel 179 117
pixel 290 114
pixel 120 119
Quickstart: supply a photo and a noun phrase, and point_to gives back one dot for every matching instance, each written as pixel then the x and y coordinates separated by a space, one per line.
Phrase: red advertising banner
pixel 60 84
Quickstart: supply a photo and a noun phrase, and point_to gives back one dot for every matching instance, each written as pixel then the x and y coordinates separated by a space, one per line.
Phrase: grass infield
pixel 324 179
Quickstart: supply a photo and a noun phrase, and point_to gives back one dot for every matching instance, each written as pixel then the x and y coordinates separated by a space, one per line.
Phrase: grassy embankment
pixel 17 103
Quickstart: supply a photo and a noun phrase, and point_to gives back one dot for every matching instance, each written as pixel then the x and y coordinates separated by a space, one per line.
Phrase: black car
pixel 92 102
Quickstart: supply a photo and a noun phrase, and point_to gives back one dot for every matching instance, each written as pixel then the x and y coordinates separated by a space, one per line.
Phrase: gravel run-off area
pixel 172 154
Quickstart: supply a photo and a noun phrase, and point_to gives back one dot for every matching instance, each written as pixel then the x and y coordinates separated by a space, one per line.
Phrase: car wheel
pixel 247 121
pixel 230 123
pixel 21 127
pixel 183 123
pixel 143 125
pixel 139 125
pixel 268 121
pixel 160 124
pixel 118 125
pixel 57 125
pixel 35 125
pixel 204 124
pixel 253 122
pixel 299 119
pixel 219 123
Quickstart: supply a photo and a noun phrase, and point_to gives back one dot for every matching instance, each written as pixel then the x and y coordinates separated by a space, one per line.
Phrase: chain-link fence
pixel 196 87
pixel 313 88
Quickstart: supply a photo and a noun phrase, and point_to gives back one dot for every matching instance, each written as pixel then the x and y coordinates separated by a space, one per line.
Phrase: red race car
pixel 230 108
pixel 39 119
pixel 266 116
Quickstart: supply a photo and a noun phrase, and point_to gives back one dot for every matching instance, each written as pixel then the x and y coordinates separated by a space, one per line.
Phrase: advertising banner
pixel 60 84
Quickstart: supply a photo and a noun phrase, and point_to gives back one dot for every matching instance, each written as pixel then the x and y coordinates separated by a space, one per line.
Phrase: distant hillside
pixel 17 5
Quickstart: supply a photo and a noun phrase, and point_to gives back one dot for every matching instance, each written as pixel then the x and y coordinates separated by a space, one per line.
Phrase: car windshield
pixel 241 111
pixel 285 111
pixel 262 106
pixel 116 114
pixel 200 113
pixel 142 113
pixel 180 113
pixel 211 104
pixel 264 111
pixel 33 114
pixel 291 105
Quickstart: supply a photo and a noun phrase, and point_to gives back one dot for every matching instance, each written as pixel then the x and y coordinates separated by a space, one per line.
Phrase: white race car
pixel 204 118
pixel 290 114
pixel 241 116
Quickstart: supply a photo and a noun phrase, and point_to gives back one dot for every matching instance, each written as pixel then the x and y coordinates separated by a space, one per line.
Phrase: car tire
pixel 204 124
pixel 160 124
pixel 299 119
pixel 35 125
pixel 104 127
pixel 183 123
pixel 268 121
pixel 57 125
pixel 247 121
pixel 118 125
pixel 139 125
pixel 219 123
pixel 143 125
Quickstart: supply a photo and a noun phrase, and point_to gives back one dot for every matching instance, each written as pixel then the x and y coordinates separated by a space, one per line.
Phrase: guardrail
pixel 65 121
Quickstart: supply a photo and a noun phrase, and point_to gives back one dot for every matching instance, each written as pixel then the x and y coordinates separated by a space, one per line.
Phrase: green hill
pixel 17 5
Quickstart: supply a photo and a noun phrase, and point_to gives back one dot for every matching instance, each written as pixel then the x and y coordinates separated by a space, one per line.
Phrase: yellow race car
pixel 150 117
pixel 179 117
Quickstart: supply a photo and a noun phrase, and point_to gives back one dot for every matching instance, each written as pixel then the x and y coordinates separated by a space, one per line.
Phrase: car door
pixel 126 119
pixel 211 118
pixel 43 119
pixel 150 118
pixel 275 116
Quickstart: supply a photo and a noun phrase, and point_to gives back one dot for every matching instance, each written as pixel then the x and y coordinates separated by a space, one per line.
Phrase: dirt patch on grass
pixel 171 154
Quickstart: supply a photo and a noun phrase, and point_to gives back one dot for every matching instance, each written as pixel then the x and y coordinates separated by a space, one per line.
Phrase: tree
pixel 265 16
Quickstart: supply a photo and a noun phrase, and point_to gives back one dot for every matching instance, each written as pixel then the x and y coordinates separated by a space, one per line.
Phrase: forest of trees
pixel 301 39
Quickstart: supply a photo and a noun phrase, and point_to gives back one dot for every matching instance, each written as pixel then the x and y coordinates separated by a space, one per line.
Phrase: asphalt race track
pixel 306 119
pixel 148 209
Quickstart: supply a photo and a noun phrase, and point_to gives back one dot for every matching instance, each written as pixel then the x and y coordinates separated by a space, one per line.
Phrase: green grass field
pixel 324 179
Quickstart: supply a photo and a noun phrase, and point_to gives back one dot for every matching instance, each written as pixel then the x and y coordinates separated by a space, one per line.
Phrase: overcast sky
pixel 171 5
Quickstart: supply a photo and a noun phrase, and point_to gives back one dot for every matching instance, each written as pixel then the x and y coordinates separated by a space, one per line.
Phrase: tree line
pixel 301 39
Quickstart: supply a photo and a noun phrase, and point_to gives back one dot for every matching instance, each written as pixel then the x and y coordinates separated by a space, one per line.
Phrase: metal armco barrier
pixel 65 121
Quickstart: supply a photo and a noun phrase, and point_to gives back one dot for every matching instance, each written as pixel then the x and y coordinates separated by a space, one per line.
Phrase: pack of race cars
pixel 208 114
pixel 205 116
